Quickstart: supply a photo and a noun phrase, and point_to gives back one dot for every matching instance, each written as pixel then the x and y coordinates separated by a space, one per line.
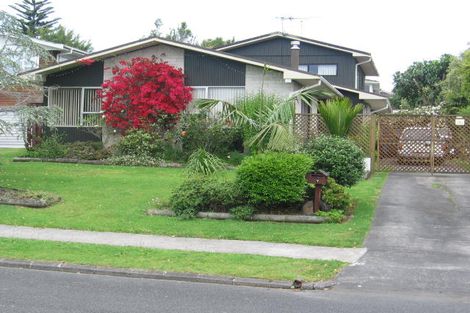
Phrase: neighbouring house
pixel 345 68
pixel 11 99
pixel 73 85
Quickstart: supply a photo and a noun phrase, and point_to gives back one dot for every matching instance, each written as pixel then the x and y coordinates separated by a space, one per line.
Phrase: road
pixel 34 291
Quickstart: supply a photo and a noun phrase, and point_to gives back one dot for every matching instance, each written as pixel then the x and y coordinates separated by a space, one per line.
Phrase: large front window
pixel 80 106
pixel 320 69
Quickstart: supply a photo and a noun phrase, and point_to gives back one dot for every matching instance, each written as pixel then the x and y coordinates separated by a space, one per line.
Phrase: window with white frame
pixel 80 106
pixel 320 69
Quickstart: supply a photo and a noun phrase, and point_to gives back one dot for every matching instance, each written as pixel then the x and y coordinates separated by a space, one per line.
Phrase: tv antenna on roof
pixel 291 19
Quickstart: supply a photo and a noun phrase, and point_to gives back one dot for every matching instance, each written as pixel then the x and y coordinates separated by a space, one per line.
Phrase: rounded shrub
pixel 274 180
pixel 338 156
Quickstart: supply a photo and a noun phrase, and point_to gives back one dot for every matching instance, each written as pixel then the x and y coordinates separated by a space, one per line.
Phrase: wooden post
pixel 433 130
pixel 378 143
pixel 372 135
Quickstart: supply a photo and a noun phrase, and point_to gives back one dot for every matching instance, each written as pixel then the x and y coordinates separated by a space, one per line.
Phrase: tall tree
pixel 34 16
pixel 65 36
pixel 156 32
pixel 456 87
pixel 216 42
pixel 421 83
pixel 182 33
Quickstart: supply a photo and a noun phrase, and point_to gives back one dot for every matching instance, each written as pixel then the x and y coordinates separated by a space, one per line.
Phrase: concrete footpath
pixel 350 255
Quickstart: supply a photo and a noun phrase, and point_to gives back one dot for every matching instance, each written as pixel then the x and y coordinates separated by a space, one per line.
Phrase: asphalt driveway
pixel 420 239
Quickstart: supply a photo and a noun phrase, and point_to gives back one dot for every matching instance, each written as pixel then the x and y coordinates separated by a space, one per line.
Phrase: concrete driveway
pixel 420 239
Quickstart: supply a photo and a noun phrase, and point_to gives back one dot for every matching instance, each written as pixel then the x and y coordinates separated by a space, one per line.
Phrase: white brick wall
pixel 174 56
pixel 273 82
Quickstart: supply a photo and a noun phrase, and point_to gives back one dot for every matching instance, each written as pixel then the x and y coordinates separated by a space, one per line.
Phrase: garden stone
pixel 110 136
pixel 308 207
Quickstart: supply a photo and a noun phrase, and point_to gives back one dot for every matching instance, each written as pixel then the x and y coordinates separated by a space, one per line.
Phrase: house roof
pixel 288 73
pixel 361 56
pixel 375 101
pixel 53 46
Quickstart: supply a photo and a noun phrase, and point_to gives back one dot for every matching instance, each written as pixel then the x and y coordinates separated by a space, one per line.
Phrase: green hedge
pixel 274 180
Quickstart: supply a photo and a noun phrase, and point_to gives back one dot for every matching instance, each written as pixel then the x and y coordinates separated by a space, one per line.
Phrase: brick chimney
pixel 295 54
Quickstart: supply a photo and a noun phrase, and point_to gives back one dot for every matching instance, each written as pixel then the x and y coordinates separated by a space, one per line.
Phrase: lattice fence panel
pixel 309 126
pixel 420 143
pixel 453 134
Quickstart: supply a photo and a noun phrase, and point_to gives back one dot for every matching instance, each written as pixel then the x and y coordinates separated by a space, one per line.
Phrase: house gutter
pixel 357 66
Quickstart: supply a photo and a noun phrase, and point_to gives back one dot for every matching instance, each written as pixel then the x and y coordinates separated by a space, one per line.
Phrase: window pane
pixel 303 68
pixel 313 68
pixel 327 69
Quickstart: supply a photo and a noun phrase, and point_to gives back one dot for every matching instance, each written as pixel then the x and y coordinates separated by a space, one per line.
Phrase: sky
pixel 396 32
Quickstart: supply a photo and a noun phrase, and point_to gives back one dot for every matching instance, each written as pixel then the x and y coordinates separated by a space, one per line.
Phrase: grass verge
pixel 115 198
pixel 238 265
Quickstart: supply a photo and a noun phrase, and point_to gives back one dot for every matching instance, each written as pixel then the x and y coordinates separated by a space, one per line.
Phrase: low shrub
pixel 51 147
pixel 333 216
pixel 202 162
pixel 340 157
pixel 197 131
pixel 204 193
pixel 274 180
pixel 87 150
pixel 242 212
pixel 140 143
pixel 336 198
pixel 134 160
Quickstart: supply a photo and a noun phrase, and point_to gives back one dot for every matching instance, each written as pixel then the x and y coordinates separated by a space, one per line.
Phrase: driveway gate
pixel 421 143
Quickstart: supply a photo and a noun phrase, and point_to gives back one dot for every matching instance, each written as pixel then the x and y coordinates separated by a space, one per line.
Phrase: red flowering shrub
pixel 144 92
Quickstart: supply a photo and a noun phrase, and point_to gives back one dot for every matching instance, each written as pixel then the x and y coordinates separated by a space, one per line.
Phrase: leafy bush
pixel 197 131
pixel 87 150
pixel 274 179
pixel 242 212
pixel 333 216
pixel 50 147
pixel 336 197
pixel 202 162
pixel 340 157
pixel 140 143
pixel 206 193
pixel 135 160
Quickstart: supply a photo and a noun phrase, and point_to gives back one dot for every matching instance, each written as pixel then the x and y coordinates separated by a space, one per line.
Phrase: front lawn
pixel 115 198
pixel 237 265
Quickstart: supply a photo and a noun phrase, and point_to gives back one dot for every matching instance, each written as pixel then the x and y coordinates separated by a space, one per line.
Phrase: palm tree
pixel 267 120
pixel 338 115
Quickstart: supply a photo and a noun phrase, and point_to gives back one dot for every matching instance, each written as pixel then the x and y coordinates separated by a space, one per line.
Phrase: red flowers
pixel 142 93
pixel 88 61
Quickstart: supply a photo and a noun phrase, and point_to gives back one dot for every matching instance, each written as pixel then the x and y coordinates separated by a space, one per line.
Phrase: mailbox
pixel 318 179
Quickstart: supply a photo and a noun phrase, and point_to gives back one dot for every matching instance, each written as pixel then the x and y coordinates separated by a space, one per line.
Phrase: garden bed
pixel 311 219
pixel 27 198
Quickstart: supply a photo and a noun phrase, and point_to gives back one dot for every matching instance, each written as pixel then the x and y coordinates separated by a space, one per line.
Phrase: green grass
pixel 115 198
pixel 238 265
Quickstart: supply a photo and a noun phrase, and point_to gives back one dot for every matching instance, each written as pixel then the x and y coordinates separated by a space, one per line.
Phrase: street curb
pixel 188 277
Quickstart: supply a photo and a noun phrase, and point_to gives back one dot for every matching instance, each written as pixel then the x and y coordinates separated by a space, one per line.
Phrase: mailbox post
pixel 318 179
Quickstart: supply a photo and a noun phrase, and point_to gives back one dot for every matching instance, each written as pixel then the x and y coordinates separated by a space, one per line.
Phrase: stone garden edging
pixel 312 219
